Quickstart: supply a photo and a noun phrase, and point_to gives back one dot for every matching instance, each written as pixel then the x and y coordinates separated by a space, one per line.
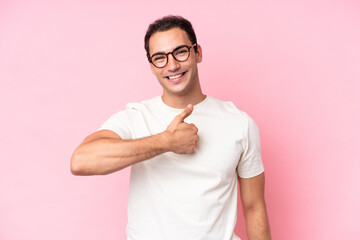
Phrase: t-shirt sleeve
pixel 250 163
pixel 118 123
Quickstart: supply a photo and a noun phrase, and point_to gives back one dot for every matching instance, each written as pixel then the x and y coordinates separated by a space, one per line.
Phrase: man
pixel 186 151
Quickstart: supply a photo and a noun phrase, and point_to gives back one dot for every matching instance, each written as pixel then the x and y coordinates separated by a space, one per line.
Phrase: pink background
pixel 66 66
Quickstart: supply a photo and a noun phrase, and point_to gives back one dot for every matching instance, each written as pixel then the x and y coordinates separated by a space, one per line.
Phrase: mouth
pixel 176 77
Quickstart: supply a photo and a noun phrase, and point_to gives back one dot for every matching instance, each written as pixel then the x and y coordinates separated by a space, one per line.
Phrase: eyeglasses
pixel 180 54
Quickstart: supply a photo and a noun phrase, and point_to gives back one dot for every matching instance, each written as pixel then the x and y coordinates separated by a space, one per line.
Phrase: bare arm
pixel 252 197
pixel 104 152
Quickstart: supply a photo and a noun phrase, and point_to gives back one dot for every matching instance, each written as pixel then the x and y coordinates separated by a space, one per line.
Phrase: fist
pixel 182 136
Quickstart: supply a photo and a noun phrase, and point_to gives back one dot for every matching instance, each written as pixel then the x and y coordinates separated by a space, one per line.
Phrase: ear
pixel 198 54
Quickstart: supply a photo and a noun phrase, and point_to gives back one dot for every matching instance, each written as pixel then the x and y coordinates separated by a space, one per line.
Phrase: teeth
pixel 175 76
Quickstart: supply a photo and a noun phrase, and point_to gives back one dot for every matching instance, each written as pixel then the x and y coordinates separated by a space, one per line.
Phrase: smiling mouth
pixel 174 77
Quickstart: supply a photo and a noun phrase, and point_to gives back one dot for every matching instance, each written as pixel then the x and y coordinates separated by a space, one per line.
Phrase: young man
pixel 186 151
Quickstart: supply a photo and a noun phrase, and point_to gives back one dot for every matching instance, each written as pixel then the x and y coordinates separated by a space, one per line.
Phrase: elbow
pixel 81 165
pixel 75 170
pixel 258 206
pixel 77 167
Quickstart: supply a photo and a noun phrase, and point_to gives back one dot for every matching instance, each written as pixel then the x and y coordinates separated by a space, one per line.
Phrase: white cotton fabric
pixel 189 196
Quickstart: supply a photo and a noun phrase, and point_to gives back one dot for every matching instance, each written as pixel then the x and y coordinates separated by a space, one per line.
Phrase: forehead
pixel 166 41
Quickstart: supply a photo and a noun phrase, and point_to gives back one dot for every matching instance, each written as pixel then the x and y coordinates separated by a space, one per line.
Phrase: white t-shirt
pixel 188 196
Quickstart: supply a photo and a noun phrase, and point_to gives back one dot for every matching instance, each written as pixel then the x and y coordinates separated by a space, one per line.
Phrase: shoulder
pixel 143 105
pixel 133 109
pixel 228 107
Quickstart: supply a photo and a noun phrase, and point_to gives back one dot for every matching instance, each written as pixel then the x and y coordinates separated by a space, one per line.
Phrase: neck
pixel 182 100
pixel 178 101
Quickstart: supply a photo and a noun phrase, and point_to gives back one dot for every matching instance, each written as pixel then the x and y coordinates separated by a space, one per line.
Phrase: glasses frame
pixel 172 53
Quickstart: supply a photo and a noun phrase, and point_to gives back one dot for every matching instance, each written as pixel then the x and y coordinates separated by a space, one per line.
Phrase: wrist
pixel 163 141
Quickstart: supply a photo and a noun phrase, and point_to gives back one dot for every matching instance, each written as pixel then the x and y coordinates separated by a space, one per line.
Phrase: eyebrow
pixel 178 47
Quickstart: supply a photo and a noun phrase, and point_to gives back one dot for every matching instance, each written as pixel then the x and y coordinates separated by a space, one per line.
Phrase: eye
pixel 181 51
pixel 159 58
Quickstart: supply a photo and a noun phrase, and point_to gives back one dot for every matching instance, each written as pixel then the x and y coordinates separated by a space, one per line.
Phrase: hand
pixel 182 136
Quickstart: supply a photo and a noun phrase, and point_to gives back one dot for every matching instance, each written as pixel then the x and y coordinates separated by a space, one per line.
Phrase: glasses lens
pixel 159 60
pixel 182 54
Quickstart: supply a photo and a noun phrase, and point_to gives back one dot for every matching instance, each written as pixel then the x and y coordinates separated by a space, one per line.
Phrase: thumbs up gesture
pixel 182 136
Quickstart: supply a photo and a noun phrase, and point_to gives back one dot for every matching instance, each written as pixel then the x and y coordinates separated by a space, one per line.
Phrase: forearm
pixel 107 155
pixel 257 224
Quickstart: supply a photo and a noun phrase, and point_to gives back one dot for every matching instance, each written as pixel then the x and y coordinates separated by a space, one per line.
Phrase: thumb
pixel 188 110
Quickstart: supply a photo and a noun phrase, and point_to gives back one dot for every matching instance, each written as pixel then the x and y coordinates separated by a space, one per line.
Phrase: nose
pixel 172 64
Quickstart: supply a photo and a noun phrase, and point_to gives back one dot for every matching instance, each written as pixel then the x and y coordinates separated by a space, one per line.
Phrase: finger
pixel 194 127
pixel 188 110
